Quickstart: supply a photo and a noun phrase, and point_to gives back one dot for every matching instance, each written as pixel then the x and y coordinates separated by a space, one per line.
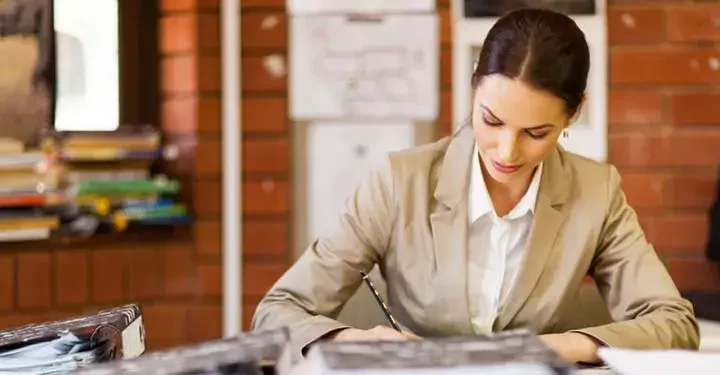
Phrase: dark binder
pixel 121 327
pixel 511 352
pixel 256 353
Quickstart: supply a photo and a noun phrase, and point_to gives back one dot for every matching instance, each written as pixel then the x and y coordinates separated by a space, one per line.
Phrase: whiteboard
pixel 339 156
pixel 385 68
pixel 298 7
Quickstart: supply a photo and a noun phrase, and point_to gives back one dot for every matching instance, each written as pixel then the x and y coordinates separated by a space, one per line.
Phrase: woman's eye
pixel 537 135
pixel 489 122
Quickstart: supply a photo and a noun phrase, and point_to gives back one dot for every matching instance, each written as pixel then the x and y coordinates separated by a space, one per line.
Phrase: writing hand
pixel 378 333
pixel 573 347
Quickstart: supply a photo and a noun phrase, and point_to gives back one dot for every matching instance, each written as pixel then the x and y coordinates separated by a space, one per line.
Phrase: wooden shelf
pixel 147 235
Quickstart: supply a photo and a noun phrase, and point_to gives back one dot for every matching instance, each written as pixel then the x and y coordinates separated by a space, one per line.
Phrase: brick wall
pixel 664 124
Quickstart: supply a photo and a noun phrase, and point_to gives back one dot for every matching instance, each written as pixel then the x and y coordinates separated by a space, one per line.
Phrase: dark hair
pixel 543 48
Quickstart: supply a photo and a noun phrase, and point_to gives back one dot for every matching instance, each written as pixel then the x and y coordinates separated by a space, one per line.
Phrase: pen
pixel 380 302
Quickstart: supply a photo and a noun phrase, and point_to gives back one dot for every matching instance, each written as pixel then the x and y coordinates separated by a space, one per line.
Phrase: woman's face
pixel 516 126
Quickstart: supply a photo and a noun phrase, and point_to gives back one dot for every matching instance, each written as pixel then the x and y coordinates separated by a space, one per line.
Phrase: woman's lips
pixel 505 168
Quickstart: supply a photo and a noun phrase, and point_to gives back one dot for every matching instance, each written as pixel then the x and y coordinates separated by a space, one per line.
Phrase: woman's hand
pixel 378 333
pixel 573 347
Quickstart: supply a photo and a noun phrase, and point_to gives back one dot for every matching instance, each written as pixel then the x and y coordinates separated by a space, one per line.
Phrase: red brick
pixel 264 115
pixel 445 117
pixel 188 5
pixel 179 74
pixel 266 155
pixel 179 270
pixel 7 282
pixel 675 150
pixel 258 278
pixel 71 277
pixel 179 115
pixel 692 190
pixel 265 237
pixel 209 280
pixel 145 273
pixel 635 25
pixel 207 157
pixel 177 5
pixel 275 4
pixel 694 274
pixel 446 67
pixel 269 196
pixel 686 233
pixel 643 190
pixel 204 323
pixel 108 275
pixel 34 280
pixel 208 237
pixel 264 30
pixel 208 31
pixel 207 197
pixel 164 322
pixel 209 115
pixel 446 26
pixel 248 311
pixel 178 33
pixel 665 66
pixel 209 76
pixel 634 107
pixel 695 108
pixel 265 73
pixel 694 22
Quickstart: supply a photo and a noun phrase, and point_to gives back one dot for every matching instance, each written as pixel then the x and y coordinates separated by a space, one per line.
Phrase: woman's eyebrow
pixel 538 127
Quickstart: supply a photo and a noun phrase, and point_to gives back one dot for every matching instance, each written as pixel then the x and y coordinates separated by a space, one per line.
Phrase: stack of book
pixel 29 193
pixel 110 184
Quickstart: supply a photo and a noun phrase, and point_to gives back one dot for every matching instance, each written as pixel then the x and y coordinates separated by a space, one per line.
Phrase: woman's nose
pixel 507 147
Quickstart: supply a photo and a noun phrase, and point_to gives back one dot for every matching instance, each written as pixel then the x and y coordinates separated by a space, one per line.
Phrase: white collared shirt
pixel 496 246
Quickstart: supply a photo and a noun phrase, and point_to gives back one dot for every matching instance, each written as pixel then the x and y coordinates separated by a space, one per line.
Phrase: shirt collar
pixel 479 202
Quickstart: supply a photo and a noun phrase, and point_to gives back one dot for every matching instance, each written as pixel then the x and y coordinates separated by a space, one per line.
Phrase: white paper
pixel 297 7
pixel 88 96
pixel 346 68
pixel 660 362
pixel 339 156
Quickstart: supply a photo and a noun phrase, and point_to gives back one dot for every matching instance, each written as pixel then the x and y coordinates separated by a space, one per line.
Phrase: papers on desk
pixel 59 356
pixel 660 362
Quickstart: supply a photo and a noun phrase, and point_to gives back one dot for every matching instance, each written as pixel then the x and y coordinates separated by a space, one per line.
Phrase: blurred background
pixel 658 90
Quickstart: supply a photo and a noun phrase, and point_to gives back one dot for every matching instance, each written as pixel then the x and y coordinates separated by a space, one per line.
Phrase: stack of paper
pixel 660 362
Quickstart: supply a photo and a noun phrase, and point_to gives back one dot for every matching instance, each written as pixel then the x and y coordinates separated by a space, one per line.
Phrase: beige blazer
pixel 410 217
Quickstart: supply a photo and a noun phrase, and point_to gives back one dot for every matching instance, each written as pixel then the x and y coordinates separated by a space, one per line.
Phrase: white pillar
pixel 231 170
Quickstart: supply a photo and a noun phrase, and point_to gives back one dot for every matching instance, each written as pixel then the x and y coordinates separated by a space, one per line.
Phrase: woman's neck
pixel 505 197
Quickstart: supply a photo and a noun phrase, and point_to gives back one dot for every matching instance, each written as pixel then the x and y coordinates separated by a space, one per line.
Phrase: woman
pixel 495 227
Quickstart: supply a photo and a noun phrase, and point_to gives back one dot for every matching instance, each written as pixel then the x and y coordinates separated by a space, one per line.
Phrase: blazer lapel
pixel 449 225
pixel 549 217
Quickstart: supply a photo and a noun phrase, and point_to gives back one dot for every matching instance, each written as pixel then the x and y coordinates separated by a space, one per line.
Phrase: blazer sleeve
pixel 309 296
pixel 645 304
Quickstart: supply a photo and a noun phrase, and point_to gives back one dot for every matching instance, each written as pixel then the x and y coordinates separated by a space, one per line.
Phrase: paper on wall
pixel 380 68
pixel 297 7
pixel 339 155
